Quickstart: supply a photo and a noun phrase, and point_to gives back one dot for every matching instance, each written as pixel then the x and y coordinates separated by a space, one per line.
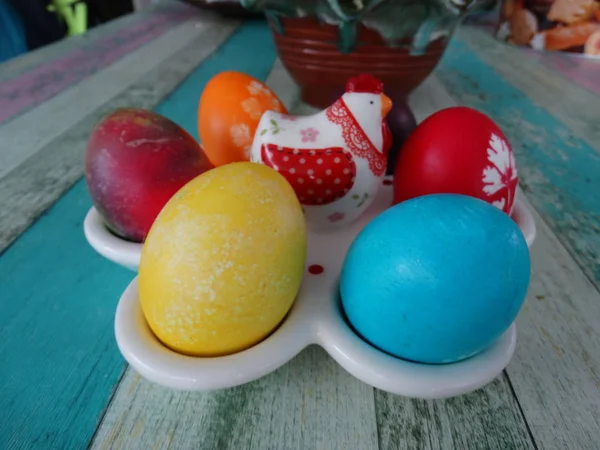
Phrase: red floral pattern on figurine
pixel 309 135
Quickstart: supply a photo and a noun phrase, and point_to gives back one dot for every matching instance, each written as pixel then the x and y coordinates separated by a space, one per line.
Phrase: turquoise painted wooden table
pixel 63 383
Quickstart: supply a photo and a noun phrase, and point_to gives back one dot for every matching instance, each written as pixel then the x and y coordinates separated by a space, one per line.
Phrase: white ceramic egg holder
pixel 112 247
pixel 315 318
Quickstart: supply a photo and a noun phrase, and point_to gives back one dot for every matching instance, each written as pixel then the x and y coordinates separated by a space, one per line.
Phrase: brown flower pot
pixel 310 52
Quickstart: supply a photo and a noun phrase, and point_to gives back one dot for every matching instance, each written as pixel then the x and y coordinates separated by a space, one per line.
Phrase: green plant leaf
pixel 263 132
pixel 276 131
pixel 273 122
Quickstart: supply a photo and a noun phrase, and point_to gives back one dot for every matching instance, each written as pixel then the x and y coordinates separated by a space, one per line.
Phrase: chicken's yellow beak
pixel 386 105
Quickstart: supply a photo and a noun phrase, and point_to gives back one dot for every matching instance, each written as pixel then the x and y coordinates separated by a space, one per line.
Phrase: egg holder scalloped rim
pixel 315 318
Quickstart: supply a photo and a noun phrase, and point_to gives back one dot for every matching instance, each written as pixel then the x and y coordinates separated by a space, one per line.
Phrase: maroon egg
pixel 135 161
pixel 401 122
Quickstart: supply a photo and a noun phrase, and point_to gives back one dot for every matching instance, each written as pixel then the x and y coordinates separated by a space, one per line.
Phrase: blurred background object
pixel 41 26
pixel 73 13
pixel 12 33
pixel 571 26
pixel 26 25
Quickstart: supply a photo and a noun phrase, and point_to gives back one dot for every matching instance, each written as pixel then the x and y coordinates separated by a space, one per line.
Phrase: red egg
pixel 136 160
pixel 461 151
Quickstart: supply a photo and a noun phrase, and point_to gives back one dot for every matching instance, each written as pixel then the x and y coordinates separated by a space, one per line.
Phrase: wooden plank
pixel 429 97
pixel 42 83
pixel 22 137
pixel 283 86
pixel 556 368
pixel 309 403
pixel 16 67
pixel 554 163
pixel 59 359
pixel 60 362
pixel 486 419
pixel 582 71
pixel 181 105
pixel 57 165
pixel 577 69
pixel 544 88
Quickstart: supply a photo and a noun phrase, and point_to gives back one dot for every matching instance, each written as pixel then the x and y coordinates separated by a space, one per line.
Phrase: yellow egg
pixel 223 261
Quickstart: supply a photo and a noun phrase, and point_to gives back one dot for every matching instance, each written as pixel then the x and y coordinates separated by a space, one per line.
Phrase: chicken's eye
pixel 371 102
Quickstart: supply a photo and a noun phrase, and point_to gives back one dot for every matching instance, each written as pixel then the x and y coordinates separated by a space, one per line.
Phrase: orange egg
pixel 228 114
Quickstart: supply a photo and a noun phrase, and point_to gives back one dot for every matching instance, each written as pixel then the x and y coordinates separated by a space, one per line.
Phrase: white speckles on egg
pixel 264 201
pixel 203 290
pixel 240 280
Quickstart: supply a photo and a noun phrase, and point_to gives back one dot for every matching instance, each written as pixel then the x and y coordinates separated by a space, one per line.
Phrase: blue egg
pixel 436 279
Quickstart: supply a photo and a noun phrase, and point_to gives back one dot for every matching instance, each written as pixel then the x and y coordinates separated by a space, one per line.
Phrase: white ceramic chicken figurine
pixel 335 160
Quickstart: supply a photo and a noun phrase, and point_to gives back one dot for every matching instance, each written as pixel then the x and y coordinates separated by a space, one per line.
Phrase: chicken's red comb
pixel 364 83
